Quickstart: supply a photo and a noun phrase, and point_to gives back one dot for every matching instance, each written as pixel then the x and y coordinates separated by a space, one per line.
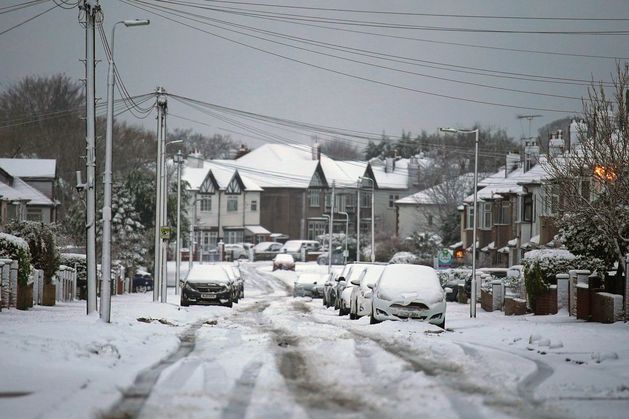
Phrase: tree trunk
pixel 49 295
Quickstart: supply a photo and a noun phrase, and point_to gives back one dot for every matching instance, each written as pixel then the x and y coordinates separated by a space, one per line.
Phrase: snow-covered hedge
pixel 16 248
pixel 542 266
pixel 78 261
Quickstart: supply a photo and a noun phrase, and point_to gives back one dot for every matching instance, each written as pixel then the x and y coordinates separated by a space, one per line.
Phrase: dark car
pixel 207 284
pixel 142 283
pixel 266 250
pixel 337 257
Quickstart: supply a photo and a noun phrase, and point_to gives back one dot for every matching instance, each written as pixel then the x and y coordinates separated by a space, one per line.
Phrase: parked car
pixel 266 250
pixel 296 247
pixel 207 284
pixel 406 291
pixel 235 251
pixel 284 262
pixel 308 285
pixel 337 257
pixel 341 282
pixel 360 299
pixel 239 283
pixel 330 297
pixel 142 283
pixel 452 280
pixel 346 291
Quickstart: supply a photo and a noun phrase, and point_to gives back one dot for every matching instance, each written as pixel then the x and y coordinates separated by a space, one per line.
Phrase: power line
pixel 342 73
pixel 28 20
pixel 390 57
pixel 20 6
pixel 386 25
pixel 407 13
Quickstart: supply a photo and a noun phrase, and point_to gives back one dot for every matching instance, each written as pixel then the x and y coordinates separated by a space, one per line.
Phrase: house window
pixel 430 220
pixel 527 208
pixel 504 214
pixel 34 214
pixel 392 199
pixel 316 228
pixel 327 199
pixel 470 217
pixel 208 239
pixel 232 203
pixel 365 199
pixel 487 215
pixel 254 206
pixel 314 197
pixel 233 236
pixel 205 203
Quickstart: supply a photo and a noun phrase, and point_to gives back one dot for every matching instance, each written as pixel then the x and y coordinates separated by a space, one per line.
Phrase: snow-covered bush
pixel 542 266
pixel 41 243
pixel 16 248
pixel 404 257
pixel 77 261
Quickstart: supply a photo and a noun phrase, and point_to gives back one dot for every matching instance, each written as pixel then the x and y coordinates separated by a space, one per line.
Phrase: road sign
pixel 164 232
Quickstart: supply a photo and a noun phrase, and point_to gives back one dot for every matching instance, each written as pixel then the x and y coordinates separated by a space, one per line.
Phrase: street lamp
pixel 373 192
pixel 475 131
pixel 105 292
pixel 178 161
pixel 346 232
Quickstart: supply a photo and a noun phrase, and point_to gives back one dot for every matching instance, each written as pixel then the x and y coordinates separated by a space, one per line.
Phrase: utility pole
pixel 358 185
pixel 164 259
pixel 331 229
pixel 179 162
pixel 157 267
pixel 92 12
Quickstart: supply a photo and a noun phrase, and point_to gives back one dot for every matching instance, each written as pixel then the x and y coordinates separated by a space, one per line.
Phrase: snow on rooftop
pixel 22 191
pixel 29 168
pixel 222 171
pixel 432 194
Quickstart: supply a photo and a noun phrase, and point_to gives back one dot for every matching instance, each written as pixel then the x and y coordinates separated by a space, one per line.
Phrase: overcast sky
pixel 198 65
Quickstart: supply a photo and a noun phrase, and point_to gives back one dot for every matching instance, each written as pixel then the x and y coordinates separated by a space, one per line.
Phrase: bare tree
pixel 592 181
pixel 340 150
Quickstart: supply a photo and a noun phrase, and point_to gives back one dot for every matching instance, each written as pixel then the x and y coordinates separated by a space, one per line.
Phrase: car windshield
pixel 208 273
pixel 399 282
pixel 263 246
pixel 372 275
pixel 292 246
pixel 357 269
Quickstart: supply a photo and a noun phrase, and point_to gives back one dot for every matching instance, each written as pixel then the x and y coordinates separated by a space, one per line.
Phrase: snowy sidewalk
pixel 56 362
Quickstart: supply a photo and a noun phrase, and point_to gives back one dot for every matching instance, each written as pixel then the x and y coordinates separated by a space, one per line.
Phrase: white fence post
pixel 562 291
pixel 13 284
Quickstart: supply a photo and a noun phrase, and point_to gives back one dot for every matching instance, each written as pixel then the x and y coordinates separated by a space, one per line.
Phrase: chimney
pixel 194 160
pixel 316 151
pixel 242 151
pixel 531 153
pixel 413 172
pixel 389 164
pixel 512 161
pixel 556 144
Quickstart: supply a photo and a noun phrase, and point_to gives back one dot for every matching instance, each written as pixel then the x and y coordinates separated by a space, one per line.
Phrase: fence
pixel 65 282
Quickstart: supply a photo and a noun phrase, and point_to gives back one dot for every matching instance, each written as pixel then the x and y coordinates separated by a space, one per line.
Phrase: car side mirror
pixel 371 286
pixel 340 278
pixel 355 281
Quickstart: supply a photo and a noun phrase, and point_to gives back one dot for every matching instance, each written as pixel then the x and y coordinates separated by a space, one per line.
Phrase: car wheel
pixel 442 324
pixel 352 312
pixel 184 303
pixel 372 319
pixel 229 304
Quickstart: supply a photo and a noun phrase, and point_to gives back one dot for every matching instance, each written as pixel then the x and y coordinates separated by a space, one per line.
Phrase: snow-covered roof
pixel 30 168
pixel 22 191
pixel 431 195
pixel 221 172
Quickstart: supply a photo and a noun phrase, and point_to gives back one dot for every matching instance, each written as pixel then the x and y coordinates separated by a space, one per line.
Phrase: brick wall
pixel 546 303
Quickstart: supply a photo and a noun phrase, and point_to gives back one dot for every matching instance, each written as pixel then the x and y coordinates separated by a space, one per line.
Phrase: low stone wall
pixel 546 303
pixel 606 307
pixel 514 306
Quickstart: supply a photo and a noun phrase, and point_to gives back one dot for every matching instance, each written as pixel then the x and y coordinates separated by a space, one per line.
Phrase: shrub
pixel 41 242
pixel 15 248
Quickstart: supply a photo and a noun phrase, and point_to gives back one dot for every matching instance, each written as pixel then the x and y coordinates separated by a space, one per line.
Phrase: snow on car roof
pixel 284 257
pixel 373 273
pixel 207 273
pixel 403 282
pixel 309 278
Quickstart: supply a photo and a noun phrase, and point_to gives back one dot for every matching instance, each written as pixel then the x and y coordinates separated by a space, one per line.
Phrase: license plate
pixel 408 314
pixel 208 295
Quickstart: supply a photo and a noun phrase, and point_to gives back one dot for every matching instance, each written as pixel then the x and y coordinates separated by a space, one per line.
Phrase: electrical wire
pixel 386 25
pixel 20 6
pixel 391 57
pixel 28 20
pixel 342 73
pixel 407 13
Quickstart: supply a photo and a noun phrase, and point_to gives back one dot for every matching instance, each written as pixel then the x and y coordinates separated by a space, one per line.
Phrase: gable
pixel 318 178
pixel 235 185
pixel 209 185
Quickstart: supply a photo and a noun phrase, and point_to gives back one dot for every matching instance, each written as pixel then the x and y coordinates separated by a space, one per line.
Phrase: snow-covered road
pixel 274 356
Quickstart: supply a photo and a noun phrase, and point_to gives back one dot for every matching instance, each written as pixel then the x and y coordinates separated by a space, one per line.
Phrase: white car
pixel 346 292
pixel 360 300
pixel 309 285
pixel 236 251
pixel 408 292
